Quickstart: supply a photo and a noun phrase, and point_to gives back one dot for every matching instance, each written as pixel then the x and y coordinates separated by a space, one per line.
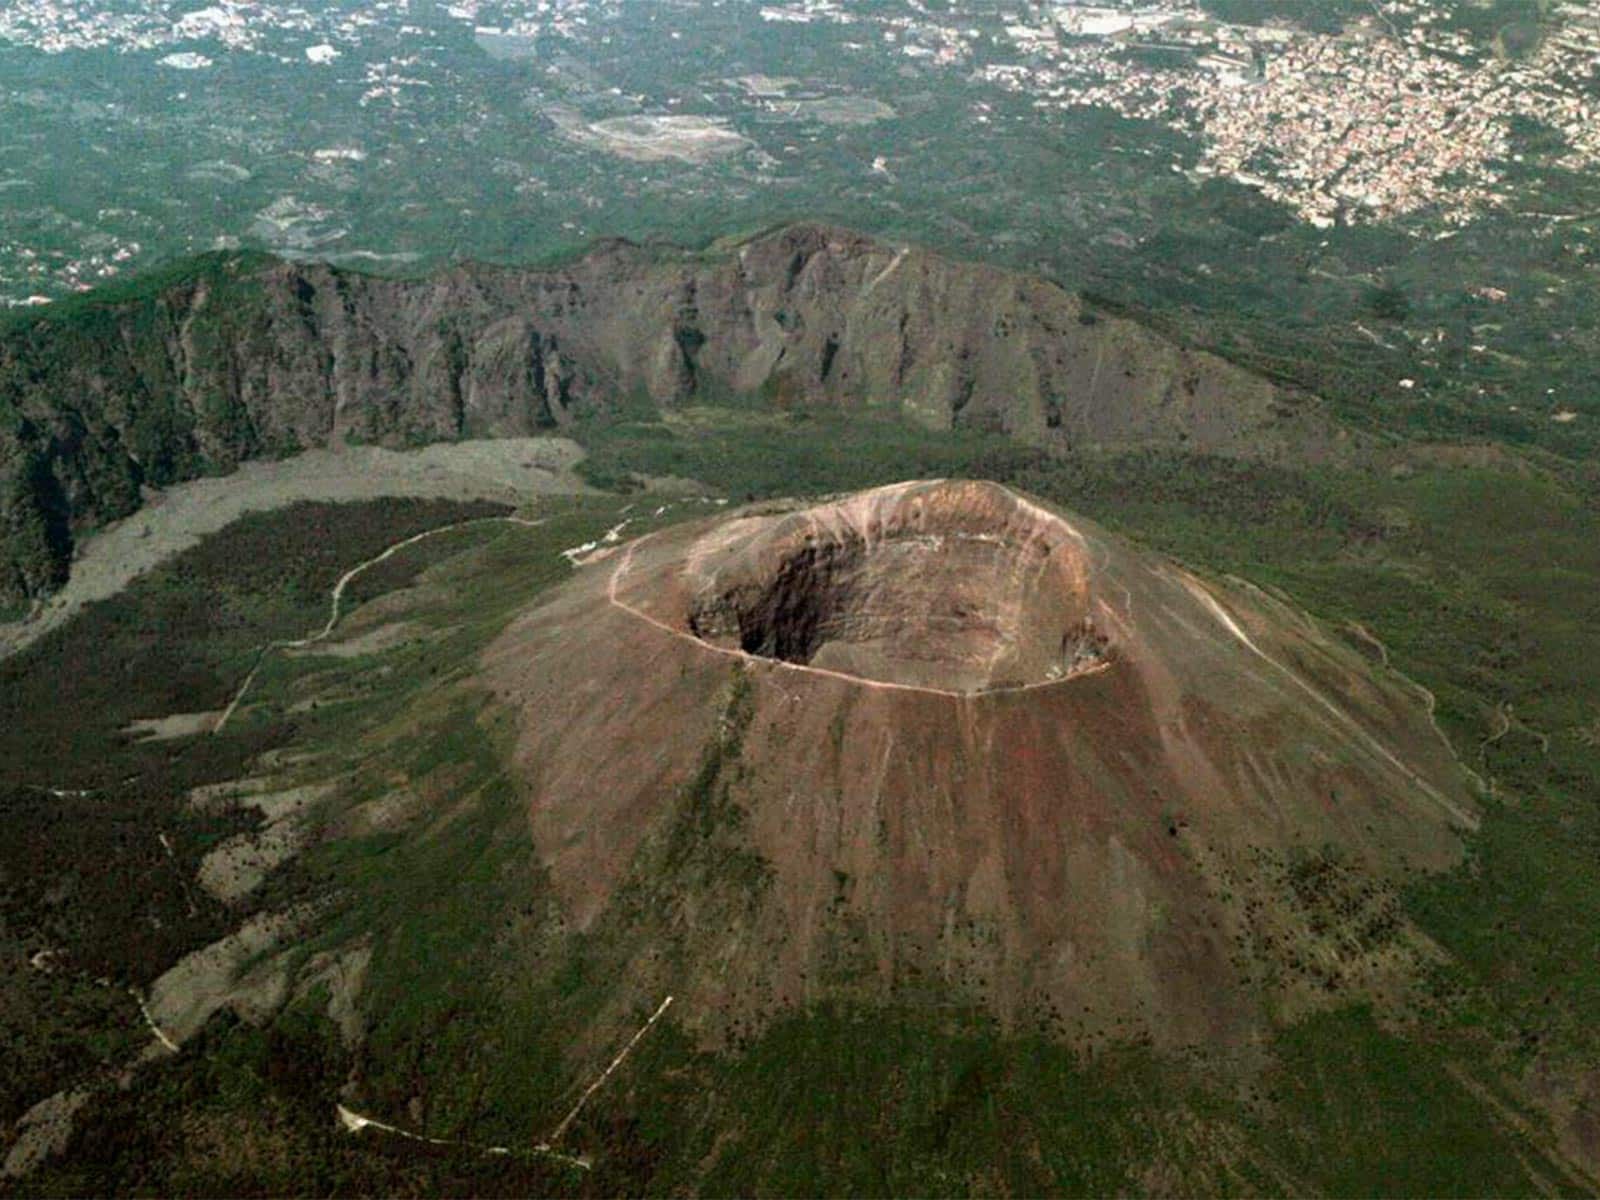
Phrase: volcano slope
pixel 936 743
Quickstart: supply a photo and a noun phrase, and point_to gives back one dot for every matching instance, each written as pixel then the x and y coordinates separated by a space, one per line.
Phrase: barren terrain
pixel 903 726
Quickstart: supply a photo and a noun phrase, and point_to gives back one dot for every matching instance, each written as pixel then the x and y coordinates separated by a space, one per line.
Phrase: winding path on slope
pixel 354 1122
pixel 336 598
pixel 512 471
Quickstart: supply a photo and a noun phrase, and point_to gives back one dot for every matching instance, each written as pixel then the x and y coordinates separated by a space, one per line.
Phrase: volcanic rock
pixel 937 743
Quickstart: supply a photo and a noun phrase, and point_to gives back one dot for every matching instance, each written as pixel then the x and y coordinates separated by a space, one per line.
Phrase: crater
pixel 953 586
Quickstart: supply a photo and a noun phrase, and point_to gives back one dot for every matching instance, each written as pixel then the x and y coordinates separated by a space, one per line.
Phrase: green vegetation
pixel 180 638
pixel 1472 570
pixel 1469 567
pixel 93 409
pixel 750 451
pixel 146 287
pixel 870 1103
pixel 1329 17
pixel 98 863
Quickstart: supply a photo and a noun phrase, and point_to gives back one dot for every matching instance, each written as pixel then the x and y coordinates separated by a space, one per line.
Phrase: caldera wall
pixel 247 359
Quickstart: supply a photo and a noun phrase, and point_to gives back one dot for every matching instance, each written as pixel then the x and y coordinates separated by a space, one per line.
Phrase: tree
pixel 1388 302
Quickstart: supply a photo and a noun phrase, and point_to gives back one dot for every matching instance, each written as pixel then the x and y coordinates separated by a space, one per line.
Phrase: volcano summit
pixel 954 589
pixel 936 742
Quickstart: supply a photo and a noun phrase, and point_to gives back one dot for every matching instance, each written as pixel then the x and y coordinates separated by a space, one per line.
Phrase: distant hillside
pixel 231 358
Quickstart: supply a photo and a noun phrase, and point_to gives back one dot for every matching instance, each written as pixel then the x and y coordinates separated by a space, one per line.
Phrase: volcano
pixel 937 743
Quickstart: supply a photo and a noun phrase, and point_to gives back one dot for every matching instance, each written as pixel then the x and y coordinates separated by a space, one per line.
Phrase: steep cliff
pixel 233 358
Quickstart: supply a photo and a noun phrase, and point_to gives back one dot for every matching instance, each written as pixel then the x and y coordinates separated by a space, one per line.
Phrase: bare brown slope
pixel 246 361
pixel 1197 824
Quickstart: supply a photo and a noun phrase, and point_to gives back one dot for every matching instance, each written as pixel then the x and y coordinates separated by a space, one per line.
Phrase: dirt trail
pixel 1467 819
pixel 1503 712
pixel 1508 721
pixel 604 1075
pixel 354 1122
pixel 160 1034
pixel 1430 702
pixel 510 470
pixel 1362 632
pixel 336 598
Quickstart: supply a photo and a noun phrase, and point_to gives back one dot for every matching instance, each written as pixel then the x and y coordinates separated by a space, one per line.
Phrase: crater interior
pixel 956 586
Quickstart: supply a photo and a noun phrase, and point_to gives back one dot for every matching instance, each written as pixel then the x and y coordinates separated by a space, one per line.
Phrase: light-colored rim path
pixel 744 656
